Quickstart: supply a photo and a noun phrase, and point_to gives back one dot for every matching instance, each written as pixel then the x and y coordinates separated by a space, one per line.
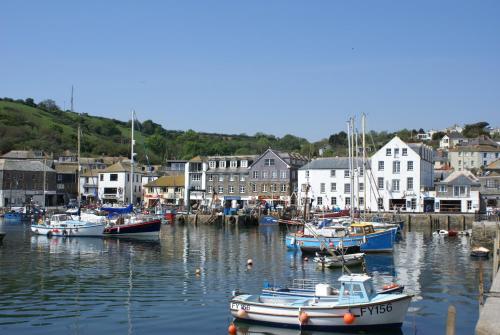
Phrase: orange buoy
pixel 242 314
pixel 232 329
pixel 348 318
pixel 303 318
pixel 393 285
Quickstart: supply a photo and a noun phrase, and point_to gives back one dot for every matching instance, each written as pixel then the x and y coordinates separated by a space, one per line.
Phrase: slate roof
pixel 123 166
pixel 23 165
pixel 495 165
pixel 331 163
pixel 461 178
pixel 66 168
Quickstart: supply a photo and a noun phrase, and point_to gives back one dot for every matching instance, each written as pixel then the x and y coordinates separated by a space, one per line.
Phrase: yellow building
pixel 166 190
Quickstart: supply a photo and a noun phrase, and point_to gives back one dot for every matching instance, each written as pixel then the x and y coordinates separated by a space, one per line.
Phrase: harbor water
pixel 117 286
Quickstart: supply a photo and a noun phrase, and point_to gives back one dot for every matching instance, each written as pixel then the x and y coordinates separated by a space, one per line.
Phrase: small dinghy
pixel 339 261
pixel 357 306
pixel 480 252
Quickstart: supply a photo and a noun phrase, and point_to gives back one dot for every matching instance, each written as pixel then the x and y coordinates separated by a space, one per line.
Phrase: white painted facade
pixel 195 178
pixel 402 172
pixel 115 187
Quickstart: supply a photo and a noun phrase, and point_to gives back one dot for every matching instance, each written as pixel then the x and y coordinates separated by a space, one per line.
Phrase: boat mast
pixel 78 197
pixel 132 142
pixel 349 159
pixel 356 170
pixel 363 120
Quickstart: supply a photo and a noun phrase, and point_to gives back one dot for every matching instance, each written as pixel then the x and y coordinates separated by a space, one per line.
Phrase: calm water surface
pixel 97 286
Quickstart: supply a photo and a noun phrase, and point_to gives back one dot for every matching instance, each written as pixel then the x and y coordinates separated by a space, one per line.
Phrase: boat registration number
pixel 377 309
pixel 238 306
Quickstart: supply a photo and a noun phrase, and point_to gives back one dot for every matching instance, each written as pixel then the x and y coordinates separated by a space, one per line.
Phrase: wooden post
pixel 448 222
pixel 481 287
pixel 463 223
pixel 409 222
pixel 196 219
pixel 450 321
pixel 496 245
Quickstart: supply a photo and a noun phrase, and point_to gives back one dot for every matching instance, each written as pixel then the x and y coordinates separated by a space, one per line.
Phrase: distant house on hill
pixel 475 154
pixel 451 140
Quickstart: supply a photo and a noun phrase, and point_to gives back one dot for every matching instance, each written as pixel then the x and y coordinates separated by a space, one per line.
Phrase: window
pixel 255 174
pixel 231 177
pixel 196 177
pixel 459 162
pixel 361 186
pixel 396 152
pixel 405 152
pixel 222 164
pixel 101 177
pixel 233 164
pixel 254 187
pixel 274 174
pixel 347 201
pixel 332 173
pixel 283 187
pixel 361 201
pixel 490 183
pixel 409 165
pixel 242 188
pixel 347 188
pixel 484 155
pixel 361 171
pixel 443 188
pixel 459 191
pixel 380 183
pixel 333 201
pixel 269 162
pixel 210 177
pixel 244 163
pixel 485 163
pixel 413 203
pixel 409 183
pixel 388 152
pixel 283 174
pixel 210 189
pixel 221 177
pixel 322 188
pixel 395 185
pixel 319 201
pixel 333 187
pixel 264 188
pixel 221 189
pixel 113 177
pixel 264 174
pixel 381 165
pixel 469 205
pixel 273 188
pixel 347 173
pixel 396 167
pixel 128 177
pixel 231 189
pixel 307 173
pixel 212 164
pixel 437 205
pixel 242 177
pixel 303 187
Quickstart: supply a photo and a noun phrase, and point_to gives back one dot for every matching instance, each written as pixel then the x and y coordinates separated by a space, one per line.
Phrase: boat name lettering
pixel 377 309
pixel 235 305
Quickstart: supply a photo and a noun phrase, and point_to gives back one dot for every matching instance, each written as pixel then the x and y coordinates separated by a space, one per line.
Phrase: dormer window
pixel 222 164
pixel 244 163
pixel 212 164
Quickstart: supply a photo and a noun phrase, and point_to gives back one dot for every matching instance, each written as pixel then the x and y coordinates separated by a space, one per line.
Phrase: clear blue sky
pixel 246 66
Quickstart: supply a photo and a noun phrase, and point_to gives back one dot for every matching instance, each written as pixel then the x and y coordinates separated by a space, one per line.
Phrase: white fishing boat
pixel 64 225
pixel 357 306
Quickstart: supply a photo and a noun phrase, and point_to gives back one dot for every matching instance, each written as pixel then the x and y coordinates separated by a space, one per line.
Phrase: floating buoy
pixel 331 244
pixel 303 318
pixel 306 259
pixel 249 261
pixel 348 318
pixel 198 272
pixel 242 314
pixel 232 329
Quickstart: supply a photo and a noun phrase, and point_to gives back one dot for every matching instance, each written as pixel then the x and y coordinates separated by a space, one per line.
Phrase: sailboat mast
pixel 78 197
pixel 349 157
pixel 363 120
pixel 132 142
pixel 356 170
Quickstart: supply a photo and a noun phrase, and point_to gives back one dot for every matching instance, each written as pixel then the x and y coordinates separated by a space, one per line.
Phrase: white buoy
pixel 249 261
pixel 198 272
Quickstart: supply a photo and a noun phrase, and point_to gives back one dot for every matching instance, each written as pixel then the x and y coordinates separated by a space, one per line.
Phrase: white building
pixel 89 185
pixel 451 140
pixel 195 179
pixel 330 185
pixel 115 184
pixel 459 192
pixel 401 173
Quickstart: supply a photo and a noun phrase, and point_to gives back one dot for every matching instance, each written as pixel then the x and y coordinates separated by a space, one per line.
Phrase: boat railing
pixel 304 284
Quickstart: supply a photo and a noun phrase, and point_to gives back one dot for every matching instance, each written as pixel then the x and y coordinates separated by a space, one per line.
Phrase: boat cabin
pixel 356 288
pixel 362 229
pixel 58 218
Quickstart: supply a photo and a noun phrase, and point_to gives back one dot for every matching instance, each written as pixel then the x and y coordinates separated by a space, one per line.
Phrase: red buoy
pixel 232 329
pixel 303 318
pixel 348 318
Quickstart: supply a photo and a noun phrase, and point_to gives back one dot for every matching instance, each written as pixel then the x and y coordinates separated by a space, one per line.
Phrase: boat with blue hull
pixel 367 239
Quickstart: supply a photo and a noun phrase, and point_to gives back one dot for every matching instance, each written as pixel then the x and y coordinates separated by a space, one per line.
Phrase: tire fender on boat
pixel 65 233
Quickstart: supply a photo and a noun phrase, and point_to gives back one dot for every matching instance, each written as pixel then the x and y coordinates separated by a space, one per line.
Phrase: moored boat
pixel 357 306
pixel 339 261
pixel 134 226
pixel 64 225
pixel 268 220
pixel 480 252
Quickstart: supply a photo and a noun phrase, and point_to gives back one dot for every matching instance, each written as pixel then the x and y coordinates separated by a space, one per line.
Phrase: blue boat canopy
pixel 119 210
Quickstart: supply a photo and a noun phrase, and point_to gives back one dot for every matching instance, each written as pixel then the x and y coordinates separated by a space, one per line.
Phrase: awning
pixel 232 197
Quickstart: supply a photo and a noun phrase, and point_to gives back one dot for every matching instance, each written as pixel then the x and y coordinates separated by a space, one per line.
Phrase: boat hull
pixel 148 228
pixel 70 229
pixel 389 313
pixel 382 241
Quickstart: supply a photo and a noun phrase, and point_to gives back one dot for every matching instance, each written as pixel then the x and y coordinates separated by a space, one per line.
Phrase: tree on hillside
pixel 438 135
pixel 338 139
pixel 475 129
pixel 49 105
pixel 30 102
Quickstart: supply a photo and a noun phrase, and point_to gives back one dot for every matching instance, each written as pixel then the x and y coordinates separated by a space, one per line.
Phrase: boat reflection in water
pixel 247 328
pixel 68 246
